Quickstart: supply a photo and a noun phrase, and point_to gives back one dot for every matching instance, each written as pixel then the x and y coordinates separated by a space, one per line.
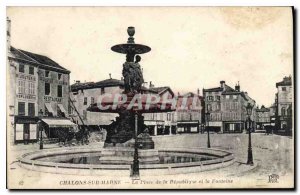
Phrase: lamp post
pixel 135 166
pixel 250 156
pixel 41 130
pixel 207 116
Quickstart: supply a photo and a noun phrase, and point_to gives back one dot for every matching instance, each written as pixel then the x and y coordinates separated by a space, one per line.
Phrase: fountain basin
pixel 58 161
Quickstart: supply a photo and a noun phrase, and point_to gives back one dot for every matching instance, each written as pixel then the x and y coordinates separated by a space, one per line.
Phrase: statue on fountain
pixel 132 73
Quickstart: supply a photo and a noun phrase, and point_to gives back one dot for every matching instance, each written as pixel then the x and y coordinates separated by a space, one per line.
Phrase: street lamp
pixel 207 116
pixel 135 166
pixel 40 128
pixel 250 156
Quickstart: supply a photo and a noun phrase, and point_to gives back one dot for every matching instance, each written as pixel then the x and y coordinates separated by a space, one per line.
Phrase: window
pixel 21 68
pixel 235 97
pixel 227 96
pixel 102 90
pixel 85 101
pixel 47 73
pixel 210 98
pixel 92 100
pixel 84 114
pixel 31 109
pixel 227 105
pixel 21 86
pixel 47 88
pixel 209 107
pixel 283 111
pixel 168 116
pixel 31 70
pixel 59 76
pixel 59 91
pixel 21 108
pixel 31 88
pixel 283 88
pixel 218 98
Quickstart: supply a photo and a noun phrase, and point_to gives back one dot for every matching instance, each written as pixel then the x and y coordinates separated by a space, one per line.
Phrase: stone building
pixel 84 94
pixel 263 117
pixel 189 117
pixel 284 106
pixel 163 123
pixel 227 108
pixel 38 88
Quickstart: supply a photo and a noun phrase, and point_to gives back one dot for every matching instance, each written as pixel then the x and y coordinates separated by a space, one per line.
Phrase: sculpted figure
pixel 132 73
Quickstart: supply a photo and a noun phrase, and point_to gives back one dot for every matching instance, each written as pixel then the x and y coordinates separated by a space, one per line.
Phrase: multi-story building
pixel 227 108
pixel 189 116
pixel 263 117
pixel 38 88
pixel 161 123
pixel 84 94
pixel 284 105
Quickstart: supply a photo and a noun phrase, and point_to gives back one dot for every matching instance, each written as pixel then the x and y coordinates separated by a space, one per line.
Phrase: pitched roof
pixel 160 90
pixel 287 81
pixel 100 84
pixel 33 58
pixel 263 109
pixel 216 89
pixel 229 90
pixel 104 83
pixel 109 83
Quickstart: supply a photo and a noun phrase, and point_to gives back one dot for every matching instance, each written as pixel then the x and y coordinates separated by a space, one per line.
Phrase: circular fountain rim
pixel 30 160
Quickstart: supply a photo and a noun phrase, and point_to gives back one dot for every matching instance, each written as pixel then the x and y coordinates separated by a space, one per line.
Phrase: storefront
pixel 26 130
pixel 188 126
pixel 54 127
pixel 233 127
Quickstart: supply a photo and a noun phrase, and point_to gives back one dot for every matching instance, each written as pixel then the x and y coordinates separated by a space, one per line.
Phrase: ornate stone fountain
pixel 123 129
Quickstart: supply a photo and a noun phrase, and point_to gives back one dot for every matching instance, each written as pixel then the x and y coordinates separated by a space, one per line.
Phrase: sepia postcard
pixel 150 98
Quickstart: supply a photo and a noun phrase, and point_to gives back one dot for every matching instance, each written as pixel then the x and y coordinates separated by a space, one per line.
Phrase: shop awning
pixel 62 109
pixel 53 122
pixel 49 108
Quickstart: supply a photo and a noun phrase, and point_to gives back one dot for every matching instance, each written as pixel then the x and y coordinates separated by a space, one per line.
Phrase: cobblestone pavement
pixel 272 154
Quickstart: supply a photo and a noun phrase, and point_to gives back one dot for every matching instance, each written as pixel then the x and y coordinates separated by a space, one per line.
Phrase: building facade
pixel 284 106
pixel 227 108
pixel 84 94
pixel 189 117
pixel 162 123
pixel 37 87
pixel 263 117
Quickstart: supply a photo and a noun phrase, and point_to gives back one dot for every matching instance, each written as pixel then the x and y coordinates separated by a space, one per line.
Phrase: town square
pixel 115 103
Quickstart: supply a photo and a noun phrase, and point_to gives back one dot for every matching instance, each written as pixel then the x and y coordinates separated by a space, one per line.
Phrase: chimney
pixel 237 87
pixel 109 75
pixel 222 85
pixel 78 81
pixel 198 92
pixel 151 85
pixel 8 31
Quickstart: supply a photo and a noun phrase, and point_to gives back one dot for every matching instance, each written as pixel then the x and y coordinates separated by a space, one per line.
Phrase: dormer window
pixel 21 68
pixel 47 73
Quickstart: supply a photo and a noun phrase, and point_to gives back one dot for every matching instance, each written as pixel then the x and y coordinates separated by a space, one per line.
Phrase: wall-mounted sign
pixel 48 80
pixel 26 96
pixel 26 77
pixel 53 99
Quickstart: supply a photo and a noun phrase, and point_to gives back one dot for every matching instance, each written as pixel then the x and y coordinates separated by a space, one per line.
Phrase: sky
pixel 191 47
